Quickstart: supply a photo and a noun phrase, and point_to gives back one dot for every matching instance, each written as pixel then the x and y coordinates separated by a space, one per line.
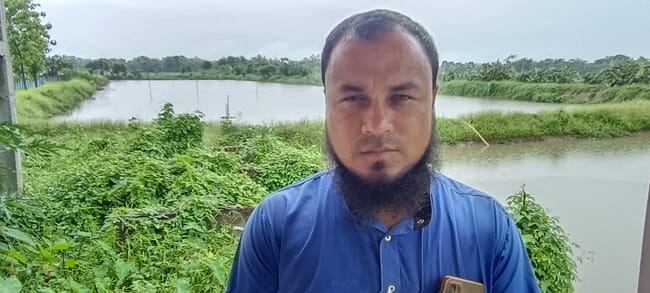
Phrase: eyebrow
pixel 396 88
pixel 351 88
pixel 404 87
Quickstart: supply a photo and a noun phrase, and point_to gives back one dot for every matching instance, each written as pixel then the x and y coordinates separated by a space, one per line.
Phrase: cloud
pixel 467 30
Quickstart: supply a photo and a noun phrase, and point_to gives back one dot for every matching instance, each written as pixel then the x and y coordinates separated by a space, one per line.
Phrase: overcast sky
pixel 469 30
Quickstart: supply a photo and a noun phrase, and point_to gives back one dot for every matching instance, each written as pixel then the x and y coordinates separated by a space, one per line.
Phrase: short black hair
pixel 368 25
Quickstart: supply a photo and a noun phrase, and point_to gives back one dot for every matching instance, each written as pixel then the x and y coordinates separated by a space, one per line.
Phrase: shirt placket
pixel 390 267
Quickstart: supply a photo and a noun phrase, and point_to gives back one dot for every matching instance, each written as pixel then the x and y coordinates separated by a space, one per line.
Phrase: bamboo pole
pixel 477 133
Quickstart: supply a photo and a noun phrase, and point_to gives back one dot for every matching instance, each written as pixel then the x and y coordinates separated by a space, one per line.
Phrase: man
pixel 381 220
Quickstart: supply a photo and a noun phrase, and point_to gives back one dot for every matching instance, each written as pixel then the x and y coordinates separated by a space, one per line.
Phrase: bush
pixel 142 207
pixel 548 246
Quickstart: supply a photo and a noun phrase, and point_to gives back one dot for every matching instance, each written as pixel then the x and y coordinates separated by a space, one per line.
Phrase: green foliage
pixel 141 207
pixel 551 75
pixel 55 66
pixel 163 245
pixel 492 72
pixel 171 133
pixel 622 73
pixel 286 165
pixel 258 68
pixel 548 246
pixel 28 38
pixel 611 71
pixel 10 285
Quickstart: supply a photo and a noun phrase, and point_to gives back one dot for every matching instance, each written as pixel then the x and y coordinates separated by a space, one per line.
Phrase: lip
pixel 377 151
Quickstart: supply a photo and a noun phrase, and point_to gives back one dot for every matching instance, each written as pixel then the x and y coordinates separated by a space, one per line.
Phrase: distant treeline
pixel 610 71
pixel 616 70
pixel 177 67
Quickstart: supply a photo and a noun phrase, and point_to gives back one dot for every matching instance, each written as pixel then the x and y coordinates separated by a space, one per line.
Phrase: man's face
pixel 379 98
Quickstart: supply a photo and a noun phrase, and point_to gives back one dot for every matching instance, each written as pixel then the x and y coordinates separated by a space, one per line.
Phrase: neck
pixel 390 218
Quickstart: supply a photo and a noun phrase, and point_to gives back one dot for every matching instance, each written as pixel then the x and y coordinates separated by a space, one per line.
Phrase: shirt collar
pixel 422 217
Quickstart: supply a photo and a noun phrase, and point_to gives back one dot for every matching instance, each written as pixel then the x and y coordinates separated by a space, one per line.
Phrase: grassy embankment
pixel 598 121
pixel 577 93
pixel 55 98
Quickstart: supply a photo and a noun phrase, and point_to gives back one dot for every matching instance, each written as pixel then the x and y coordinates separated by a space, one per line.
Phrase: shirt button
pixel 391 288
pixel 420 221
pixel 387 238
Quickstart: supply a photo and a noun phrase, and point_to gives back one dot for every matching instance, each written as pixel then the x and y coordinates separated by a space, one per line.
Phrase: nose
pixel 377 119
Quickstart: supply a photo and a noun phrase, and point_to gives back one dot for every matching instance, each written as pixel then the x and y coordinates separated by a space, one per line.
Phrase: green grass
pixel 545 92
pixel 598 121
pixel 595 121
pixel 52 99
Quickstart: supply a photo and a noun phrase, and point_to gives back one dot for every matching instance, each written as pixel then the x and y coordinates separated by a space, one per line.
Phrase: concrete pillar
pixel 10 164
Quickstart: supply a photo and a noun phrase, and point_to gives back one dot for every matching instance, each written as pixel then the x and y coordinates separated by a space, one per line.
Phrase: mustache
pixel 375 142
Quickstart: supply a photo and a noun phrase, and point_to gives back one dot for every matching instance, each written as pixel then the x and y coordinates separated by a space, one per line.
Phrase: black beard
pixel 402 195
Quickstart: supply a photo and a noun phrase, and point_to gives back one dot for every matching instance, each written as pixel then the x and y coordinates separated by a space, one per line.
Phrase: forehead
pixel 390 54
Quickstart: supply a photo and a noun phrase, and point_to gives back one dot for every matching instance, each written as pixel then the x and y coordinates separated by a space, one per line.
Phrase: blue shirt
pixel 303 238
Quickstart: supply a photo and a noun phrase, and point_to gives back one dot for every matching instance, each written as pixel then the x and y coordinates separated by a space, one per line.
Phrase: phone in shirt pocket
pixel 452 284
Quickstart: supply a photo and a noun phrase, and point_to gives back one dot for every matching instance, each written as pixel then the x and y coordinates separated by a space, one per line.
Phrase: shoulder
pixel 465 198
pixel 476 214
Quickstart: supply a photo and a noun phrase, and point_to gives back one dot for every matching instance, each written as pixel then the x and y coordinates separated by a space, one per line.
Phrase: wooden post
pixel 10 159
pixel 644 272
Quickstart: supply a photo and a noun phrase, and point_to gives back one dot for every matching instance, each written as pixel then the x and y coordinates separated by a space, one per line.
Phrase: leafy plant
pixel 548 246
pixel 10 285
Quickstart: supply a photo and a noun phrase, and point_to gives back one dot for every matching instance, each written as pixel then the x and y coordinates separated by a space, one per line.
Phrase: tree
pixel 174 64
pixel 268 70
pixel 55 64
pixel 143 64
pixel 493 71
pixel 101 65
pixel 29 39
pixel 206 65
pixel 118 68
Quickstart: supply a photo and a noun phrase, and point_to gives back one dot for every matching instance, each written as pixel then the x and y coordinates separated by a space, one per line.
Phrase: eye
pixel 355 98
pixel 399 98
